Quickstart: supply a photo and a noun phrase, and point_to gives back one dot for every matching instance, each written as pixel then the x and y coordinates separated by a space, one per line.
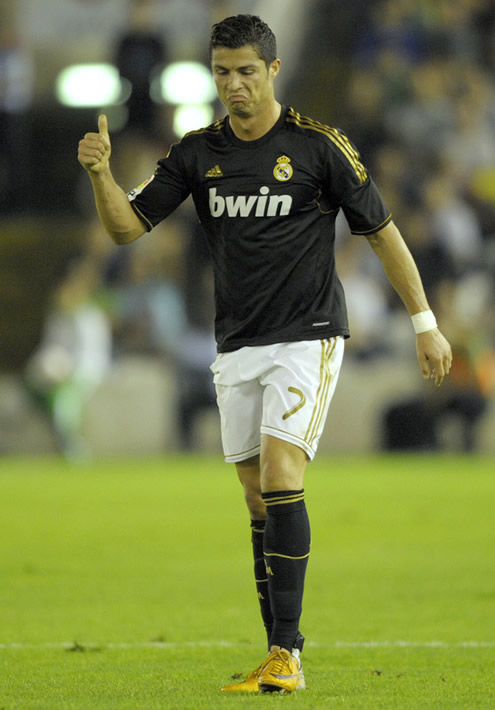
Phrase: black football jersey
pixel 268 208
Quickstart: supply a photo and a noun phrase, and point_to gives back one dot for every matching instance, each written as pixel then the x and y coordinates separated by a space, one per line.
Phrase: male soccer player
pixel 267 184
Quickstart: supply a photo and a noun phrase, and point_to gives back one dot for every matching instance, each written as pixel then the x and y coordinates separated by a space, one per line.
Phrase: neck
pixel 250 128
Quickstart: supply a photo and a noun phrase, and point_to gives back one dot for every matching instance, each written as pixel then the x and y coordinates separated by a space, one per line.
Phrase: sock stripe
pixel 284 500
pixel 268 495
pixel 286 557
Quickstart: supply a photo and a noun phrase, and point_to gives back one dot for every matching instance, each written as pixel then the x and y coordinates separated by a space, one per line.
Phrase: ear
pixel 274 68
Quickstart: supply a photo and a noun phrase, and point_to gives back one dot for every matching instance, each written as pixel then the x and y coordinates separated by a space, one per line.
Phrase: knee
pixel 249 476
pixel 278 477
pixel 254 502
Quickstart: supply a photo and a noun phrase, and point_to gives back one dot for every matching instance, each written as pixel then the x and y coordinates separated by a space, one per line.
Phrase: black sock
pixel 257 533
pixel 286 542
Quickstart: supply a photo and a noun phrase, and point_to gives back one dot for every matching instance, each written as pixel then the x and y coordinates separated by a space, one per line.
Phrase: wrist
pixel 99 173
pixel 423 322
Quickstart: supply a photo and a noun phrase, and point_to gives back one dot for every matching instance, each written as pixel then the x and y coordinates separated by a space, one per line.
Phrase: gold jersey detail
pixel 298 406
pixel 214 128
pixel 214 172
pixel 337 138
pixel 327 350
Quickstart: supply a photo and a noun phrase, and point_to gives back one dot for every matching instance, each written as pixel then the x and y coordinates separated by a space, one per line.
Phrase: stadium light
pixel 190 117
pixel 184 83
pixel 88 85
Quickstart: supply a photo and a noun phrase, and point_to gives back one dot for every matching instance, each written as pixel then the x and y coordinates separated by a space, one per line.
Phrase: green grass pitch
pixel 128 585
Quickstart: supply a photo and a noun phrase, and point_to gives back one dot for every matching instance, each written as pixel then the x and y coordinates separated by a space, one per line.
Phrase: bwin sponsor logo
pixel 262 205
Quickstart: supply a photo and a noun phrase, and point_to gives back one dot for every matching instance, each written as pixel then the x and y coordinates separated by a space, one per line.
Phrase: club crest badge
pixel 283 170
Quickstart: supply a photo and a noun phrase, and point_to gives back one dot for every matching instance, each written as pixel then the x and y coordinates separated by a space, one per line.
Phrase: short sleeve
pixel 365 210
pixel 158 196
pixel 352 187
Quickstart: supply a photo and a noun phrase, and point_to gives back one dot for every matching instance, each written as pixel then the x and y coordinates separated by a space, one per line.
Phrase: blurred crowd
pixel 419 104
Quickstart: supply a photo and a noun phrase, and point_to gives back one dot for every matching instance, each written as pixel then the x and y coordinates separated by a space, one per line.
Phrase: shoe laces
pixel 281 662
pixel 257 671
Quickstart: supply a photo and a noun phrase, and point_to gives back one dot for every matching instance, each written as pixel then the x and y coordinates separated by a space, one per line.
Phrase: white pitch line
pixel 88 646
pixel 414 644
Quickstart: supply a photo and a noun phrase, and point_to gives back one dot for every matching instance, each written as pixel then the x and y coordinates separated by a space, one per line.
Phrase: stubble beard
pixel 240 111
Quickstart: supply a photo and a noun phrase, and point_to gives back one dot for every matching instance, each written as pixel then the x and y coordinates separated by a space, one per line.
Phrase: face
pixel 244 82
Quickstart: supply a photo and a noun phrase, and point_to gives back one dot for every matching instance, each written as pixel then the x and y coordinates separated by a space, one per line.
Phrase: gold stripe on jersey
pixel 327 350
pixel 213 128
pixel 337 138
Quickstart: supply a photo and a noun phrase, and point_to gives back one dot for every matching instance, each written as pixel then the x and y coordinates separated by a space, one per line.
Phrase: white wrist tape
pixel 424 321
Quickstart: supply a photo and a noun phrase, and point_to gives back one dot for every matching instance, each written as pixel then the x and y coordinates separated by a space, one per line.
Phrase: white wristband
pixel 424 321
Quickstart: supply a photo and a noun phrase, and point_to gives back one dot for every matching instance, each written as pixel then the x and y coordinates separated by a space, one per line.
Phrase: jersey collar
pixel 249 145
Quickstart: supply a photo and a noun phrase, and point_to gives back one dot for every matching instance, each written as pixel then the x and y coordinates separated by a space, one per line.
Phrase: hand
pixel 434 355
pixel 95 148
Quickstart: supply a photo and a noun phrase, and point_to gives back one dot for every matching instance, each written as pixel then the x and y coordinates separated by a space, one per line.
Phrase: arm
pixel 114 210
pixel 433 350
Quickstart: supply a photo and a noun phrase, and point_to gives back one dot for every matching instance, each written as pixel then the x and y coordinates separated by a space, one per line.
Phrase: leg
pixel 282 465
pixel 287 404
pixel 249 476
pixel 287 536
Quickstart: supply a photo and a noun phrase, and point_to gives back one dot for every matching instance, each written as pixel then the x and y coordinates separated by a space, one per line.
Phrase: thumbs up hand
pixel 103 126
pixel 95 148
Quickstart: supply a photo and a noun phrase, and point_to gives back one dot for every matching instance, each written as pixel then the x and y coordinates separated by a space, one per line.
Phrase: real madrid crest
pixel 283 170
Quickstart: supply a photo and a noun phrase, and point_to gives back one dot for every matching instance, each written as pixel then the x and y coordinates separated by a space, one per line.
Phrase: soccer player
pixel 267 184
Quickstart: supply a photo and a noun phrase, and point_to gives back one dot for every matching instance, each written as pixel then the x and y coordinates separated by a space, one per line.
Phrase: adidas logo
pixel 214 172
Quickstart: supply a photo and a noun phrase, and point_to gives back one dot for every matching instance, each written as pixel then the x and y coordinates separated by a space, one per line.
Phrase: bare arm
pixel 433 350
pixel 114 210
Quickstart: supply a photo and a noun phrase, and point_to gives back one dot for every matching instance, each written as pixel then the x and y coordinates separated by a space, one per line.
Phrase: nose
pixel 234 81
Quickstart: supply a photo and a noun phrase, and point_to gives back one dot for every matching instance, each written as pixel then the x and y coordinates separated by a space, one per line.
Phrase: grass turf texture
pixel 129 585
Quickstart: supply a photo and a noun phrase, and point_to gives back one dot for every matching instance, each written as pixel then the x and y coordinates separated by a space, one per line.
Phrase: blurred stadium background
pixel 105 350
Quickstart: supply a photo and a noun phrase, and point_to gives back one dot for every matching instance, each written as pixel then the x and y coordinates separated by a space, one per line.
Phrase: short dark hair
pixel 237 31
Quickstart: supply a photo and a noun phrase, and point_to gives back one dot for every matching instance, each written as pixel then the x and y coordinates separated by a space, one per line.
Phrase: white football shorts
pixel 283 390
